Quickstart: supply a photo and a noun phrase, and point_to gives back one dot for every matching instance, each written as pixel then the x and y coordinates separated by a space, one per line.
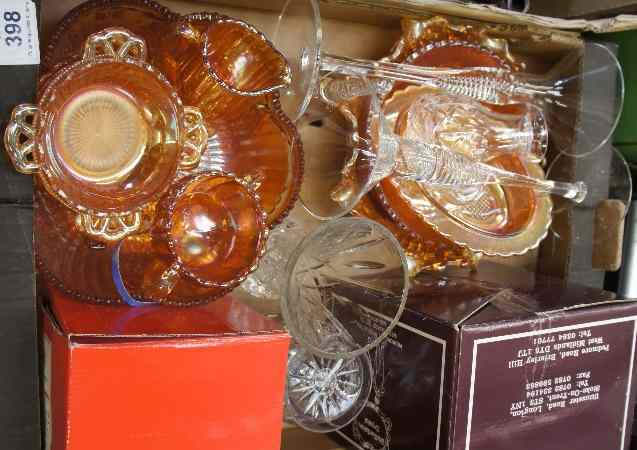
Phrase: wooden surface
pixel 295 438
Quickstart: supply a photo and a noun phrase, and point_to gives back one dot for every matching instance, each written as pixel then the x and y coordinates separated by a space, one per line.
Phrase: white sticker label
pixel 46 380
pixel 19 44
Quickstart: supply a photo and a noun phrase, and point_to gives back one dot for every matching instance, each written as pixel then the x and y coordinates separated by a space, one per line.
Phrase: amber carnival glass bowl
pixel 214 230
pixel 107 136
pixel 248 136
pixel 208 235
pixel 232 73
pixel 223 66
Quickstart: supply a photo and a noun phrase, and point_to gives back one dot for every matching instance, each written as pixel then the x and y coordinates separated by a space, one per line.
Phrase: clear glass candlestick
pixel 432 155
pixel 591 231
pixel 610 175
pixel 560 91
pixel 437 166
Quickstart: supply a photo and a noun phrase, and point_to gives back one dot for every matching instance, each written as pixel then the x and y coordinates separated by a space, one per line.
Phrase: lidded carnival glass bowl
pixel 107 136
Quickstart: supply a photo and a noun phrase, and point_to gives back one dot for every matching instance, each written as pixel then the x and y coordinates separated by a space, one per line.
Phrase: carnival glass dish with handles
pixel 108 135
pixel 213 232
pixel 223 66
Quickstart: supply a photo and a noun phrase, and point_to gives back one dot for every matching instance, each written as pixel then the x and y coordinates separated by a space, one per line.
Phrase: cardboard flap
pixel 378 11
pixel 448 299
pixel 496 292
pixel 532 295
pixel 489 13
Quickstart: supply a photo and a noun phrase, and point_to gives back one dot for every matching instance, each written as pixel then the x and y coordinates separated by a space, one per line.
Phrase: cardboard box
pixel 625 137
pixel 476 365
pixel 113 377
pixel 583 8
pixel 81 404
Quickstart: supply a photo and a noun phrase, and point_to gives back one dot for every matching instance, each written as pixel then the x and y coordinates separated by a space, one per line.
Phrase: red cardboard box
pixel 158 378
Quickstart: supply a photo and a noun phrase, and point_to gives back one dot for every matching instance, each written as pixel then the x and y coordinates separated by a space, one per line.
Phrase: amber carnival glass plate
pixel 249 136
pixel 144 18
pixel 428 250
pixel 488 219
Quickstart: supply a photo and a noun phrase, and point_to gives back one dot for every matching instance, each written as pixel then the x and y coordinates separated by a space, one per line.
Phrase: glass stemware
pixel 337 301
pixel 298 35
pixel 324 395
pixel 338 279
pixel 473 128
pixel 610 177
pixel 348 278
pixel 440 167
pixel 425 156
pixel 585 239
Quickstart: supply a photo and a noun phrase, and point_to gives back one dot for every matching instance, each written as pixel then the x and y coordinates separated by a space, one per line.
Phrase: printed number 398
pixel 12 28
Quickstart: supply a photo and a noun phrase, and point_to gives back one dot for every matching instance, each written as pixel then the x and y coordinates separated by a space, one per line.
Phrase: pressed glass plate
pixel 81 267
pixel 493 220
pixel 144 18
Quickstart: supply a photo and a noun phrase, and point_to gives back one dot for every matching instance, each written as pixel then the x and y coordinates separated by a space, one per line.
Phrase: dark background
pixel 19 412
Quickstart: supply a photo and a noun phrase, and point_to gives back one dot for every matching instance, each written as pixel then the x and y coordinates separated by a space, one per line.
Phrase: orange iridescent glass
pixel 230 71
pixel 426 249
pixel 202 56
pixel 108 134
pixel 144 18
pixel 242 59
pixel 215 227
pixel 249 137
pixel 210 229
pixel 516 216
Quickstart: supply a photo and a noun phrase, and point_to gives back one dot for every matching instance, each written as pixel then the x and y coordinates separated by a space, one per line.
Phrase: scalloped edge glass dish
pixel 100 13
pixel 416 218
pixel 92 261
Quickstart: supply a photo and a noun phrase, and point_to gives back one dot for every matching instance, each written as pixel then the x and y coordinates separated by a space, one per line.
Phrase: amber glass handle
pixel 118 43
pixel 110 228
pixel 19 138
pixel 195 140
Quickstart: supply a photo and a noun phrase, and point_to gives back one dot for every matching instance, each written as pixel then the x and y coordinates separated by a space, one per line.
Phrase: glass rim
pixel 293 259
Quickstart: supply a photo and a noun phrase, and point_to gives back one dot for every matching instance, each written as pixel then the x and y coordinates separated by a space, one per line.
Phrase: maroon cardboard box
pixel 478 365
